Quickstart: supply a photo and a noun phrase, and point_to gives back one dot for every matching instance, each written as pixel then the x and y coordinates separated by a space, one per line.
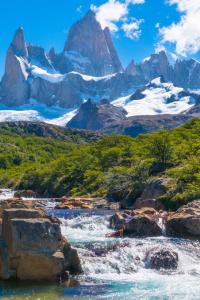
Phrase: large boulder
pixel 20 204
pixel 36 234
pixel 162 258
pixel 142 226
pixel 140 222
pixel 151 194
pixel 33 248
pixel 185 222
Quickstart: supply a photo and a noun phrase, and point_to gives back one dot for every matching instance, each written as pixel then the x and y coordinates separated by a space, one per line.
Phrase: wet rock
pixel 118 220
pixel 162 258
pixel 141 225
pixel 139 222
pixel 85 203
pixel 25 194
pixel 72 261
pixel 16 203
pixel 153 203
pixel 185 222
pixel 35 234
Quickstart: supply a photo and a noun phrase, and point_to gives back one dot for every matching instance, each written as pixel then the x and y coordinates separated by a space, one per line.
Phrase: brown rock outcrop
pixel 185 222
pixel 137 223
pixel 33 248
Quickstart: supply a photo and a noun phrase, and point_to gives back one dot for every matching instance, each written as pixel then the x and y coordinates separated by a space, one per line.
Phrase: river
pixel 115 269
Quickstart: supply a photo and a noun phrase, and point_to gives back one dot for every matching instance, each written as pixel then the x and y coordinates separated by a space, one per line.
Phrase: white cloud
pixel 115 15
pixel 186 33
pixel 132 30
pixel 157 25
pixel 110 12
pixel 79 9
pixel 135 1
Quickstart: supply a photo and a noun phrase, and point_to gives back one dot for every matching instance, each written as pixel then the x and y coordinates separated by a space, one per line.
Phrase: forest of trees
pixel 116 167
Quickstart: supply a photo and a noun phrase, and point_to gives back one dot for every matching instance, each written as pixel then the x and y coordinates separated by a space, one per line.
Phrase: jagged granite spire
pixel 14 85
pixel 93 46
pixel 52 54
pixel 18 44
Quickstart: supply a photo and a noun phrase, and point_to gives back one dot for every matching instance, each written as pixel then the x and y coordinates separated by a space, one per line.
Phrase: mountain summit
pixel 90 49
pixel 14 85
pixel 89 67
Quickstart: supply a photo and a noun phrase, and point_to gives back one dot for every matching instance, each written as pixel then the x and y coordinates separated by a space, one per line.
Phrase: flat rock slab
pixel 33 234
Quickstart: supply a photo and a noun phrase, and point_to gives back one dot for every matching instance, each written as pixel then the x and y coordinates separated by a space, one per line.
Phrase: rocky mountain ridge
pixel 184 73
pixel 158 104
pixel 88 67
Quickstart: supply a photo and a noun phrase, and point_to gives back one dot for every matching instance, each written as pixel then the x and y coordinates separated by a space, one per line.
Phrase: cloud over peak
pixel 115 15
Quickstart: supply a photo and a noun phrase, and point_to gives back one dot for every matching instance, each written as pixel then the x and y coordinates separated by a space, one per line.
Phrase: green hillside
pixel 116 167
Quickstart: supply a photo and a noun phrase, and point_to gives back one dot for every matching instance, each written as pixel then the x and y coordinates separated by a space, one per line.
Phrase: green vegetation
pixel 117 167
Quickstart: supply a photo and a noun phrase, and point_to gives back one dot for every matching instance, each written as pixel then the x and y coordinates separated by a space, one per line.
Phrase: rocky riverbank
pixel 148 222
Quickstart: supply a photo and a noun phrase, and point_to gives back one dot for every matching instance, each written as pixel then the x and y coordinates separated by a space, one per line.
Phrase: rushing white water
pixel 116 268
pixel 120 266
pixel 6 194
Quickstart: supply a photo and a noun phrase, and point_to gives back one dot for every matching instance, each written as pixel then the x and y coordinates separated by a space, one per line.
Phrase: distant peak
pixel 52 53
pixel 107 29
pixel 157 81
pixel 19 44
pixel 90 14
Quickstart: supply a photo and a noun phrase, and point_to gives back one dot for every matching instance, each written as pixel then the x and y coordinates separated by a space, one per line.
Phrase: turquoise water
pixel 116 268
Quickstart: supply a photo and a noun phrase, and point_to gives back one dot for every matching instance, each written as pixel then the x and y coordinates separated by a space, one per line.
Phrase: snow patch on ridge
pixel 156 100
pixel 35 111
pixel 57 77
pixel 93 78
pixel 42 73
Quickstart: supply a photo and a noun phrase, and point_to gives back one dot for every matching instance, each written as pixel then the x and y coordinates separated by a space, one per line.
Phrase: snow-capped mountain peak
pixel 157 97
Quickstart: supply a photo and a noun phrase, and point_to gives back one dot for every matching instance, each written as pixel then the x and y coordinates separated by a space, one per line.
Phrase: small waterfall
pixel 121 262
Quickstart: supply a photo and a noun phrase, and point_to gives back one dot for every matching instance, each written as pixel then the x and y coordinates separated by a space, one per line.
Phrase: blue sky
pixel 139 26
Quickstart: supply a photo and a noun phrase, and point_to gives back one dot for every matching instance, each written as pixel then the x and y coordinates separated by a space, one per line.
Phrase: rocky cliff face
pixel 15 88
pixel 57 78
pixel 185 73
pixel 158 104
pixel 38 57
pixel 152 67
pixel 97 116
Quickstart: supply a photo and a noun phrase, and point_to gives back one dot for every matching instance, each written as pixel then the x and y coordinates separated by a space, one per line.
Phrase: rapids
pixel 116 268
pixel 113 268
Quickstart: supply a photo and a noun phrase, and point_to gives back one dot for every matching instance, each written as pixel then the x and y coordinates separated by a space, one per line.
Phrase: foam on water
pixel 6 194
pixel 116 268
pixel 121 266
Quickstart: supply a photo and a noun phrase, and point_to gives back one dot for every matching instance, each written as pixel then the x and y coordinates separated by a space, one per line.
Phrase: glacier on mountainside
pixel 158 98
